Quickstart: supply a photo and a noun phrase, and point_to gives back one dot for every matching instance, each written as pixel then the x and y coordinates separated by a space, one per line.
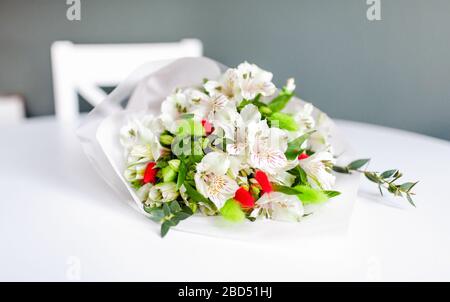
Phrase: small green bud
pixel 193 206
pixel 255 190
pixel 168 174
pixel 265 110
pixel 174 164
pixel 166 139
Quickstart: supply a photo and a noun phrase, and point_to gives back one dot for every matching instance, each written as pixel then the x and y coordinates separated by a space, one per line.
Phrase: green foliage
pixel 309 195
pixel 173 214
pixel 386 179
pixel 283 121
pixel 232 211
pixel 295 147
pixel 285 189
pixel 331 194
pixel 182 170
pixel 306 193
pixel 278 103
pixel 195 195
pixel 355 165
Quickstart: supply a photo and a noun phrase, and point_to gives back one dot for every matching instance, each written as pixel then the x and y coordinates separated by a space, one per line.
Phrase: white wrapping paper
pixel 143 93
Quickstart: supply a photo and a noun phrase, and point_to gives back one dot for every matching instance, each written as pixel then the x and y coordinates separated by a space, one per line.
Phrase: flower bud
pixel 290 85
pixel 174 164
pixel 265 110
pixel 135 172
pixel 193 206
pixel 207 209
pixel 166 139
pixel 168 174
pixel 255 190
pixel 163 192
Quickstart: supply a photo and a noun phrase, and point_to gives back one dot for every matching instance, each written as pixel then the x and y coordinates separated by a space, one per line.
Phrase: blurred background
pixel 393 72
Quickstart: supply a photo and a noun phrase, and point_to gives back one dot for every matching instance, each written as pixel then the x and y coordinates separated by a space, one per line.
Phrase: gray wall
pixel 393 72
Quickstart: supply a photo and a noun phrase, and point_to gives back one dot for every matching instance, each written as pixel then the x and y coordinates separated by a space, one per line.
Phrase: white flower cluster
pixel 239 127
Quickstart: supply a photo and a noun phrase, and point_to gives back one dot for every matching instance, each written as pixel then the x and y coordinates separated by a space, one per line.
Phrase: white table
pixel 60 221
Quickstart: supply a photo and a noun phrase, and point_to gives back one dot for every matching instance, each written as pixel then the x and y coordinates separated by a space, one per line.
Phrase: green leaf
pixel 355 165
pixel 309 195
pixel 182 170
pixel 182 215
pixel 187 116
pixel 232 211
pixel 278 103
pixel 156 214
pixel 339 169
pixel 332 194
pixel 388 173
pixel 407 186
pixel 372 177
pixel 285 189
pixel 303 176
pixel 195 195
pixel 283 121
pixel 166 225
pixel 408 197
pixel 295 147
pixel 175 206
pixel 161 164
pixel 166 209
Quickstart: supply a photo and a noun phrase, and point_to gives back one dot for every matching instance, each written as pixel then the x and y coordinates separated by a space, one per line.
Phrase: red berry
pixel 150 173
pixel 263 181
pixel 303 156
pixel 244 198
pixel 207 126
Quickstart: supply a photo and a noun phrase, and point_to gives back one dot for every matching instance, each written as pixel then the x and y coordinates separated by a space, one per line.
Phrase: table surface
pixel 60 222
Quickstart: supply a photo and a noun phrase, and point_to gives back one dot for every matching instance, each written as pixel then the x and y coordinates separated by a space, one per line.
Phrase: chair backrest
pixel 12 109
pixel 84 68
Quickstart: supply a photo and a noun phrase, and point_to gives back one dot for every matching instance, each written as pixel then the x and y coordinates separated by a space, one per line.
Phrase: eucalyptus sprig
pixel 386 179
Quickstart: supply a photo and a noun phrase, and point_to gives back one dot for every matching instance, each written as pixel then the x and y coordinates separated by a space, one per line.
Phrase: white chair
pixel 12 109
pixel 84 68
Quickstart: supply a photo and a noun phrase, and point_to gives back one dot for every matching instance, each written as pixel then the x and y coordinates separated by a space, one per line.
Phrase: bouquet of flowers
pixel 232 146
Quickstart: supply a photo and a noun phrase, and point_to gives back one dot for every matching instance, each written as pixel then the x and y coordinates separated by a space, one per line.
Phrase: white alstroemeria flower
pixel 267 147
pixel 303 116
pixel 227 85
pixel 135 172
pixel 177 104
pixel 140 137
pixel 129 134
pixel 211 179
pixel 279 206
pixel 320 139
pixel 140 153
pixel 142 192
pixel 283 178
pixel 253 81
pixel 318 169
pixel 163 192
pixel 235 126
pixel 290 85
pixel 208 107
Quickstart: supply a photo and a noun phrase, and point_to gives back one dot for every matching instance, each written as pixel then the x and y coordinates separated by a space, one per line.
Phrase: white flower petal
pixel 215 162
pixel 250 114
